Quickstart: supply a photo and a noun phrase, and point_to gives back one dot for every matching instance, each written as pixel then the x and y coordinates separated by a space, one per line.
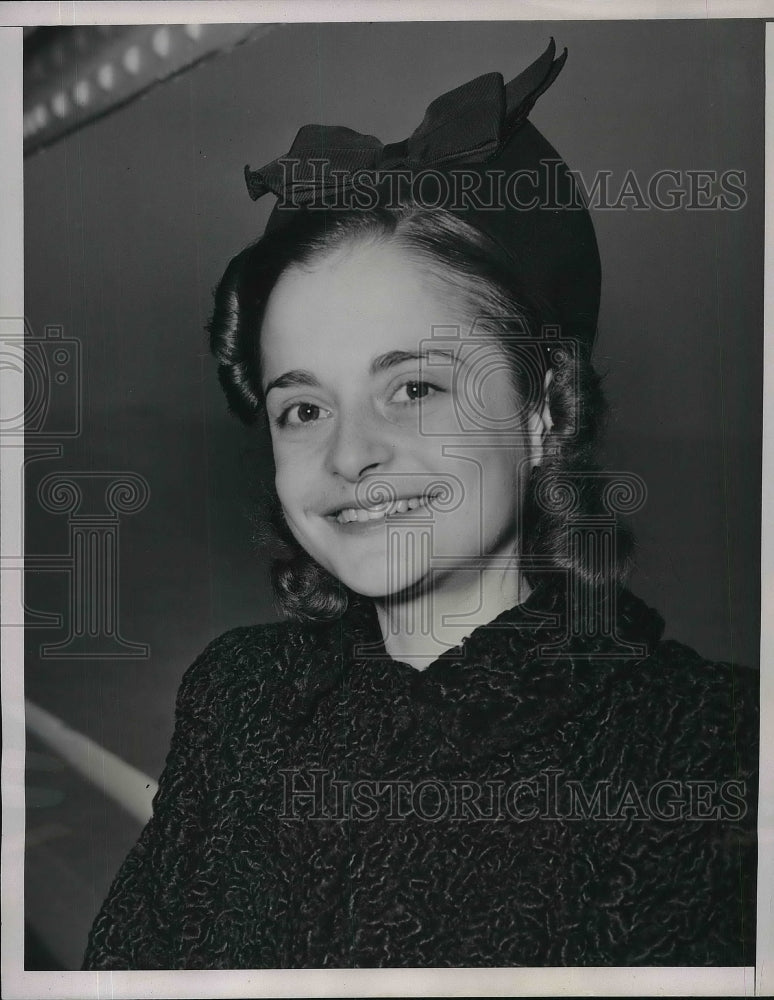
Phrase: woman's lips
pixel 373 516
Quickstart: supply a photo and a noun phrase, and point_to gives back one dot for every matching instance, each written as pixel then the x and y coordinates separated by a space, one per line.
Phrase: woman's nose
pixel 361 442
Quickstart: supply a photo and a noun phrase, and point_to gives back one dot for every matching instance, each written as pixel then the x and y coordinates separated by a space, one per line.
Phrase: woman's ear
pixel 540 423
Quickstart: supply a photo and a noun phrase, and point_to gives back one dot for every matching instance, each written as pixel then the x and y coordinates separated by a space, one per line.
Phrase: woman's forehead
pixel 360 302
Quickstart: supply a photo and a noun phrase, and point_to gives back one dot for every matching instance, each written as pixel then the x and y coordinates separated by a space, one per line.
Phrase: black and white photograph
pixel 385 500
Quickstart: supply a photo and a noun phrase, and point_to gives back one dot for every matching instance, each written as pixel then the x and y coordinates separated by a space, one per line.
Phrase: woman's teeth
pixel 374 513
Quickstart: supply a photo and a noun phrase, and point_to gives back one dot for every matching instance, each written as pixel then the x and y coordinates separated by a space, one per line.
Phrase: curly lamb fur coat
pixel 525 800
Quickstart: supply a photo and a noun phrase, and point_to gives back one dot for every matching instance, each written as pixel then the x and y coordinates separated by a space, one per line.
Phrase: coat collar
pixel 547 625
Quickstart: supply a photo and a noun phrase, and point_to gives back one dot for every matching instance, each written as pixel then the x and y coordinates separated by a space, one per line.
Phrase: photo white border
pixel 67 12
pixel 16 983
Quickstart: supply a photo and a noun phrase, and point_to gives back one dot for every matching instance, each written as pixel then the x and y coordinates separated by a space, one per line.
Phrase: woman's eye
pixel 302 413
pixel 413 390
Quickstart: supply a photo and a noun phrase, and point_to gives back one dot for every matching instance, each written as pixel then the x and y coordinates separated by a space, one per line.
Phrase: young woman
pixel 468 745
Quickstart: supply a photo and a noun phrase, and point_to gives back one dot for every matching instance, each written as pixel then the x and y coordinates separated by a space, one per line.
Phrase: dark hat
pixel 475 153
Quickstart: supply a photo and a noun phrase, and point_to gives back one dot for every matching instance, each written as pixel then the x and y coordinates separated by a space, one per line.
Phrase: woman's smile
pixel 365 517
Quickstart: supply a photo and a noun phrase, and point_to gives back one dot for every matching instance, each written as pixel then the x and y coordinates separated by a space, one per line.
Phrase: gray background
pixel 128 225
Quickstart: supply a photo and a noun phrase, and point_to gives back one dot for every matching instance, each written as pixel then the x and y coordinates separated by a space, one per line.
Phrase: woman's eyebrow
pixel 296 377
pixel 393 358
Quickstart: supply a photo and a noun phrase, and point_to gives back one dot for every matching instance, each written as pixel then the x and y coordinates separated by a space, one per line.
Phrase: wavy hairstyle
pixel 456 257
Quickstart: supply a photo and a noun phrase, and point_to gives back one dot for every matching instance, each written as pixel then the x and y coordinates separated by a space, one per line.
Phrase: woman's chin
pixel 376 582
pixel 368 561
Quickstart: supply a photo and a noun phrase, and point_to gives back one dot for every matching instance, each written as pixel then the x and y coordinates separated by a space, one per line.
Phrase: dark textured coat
pixel 499 859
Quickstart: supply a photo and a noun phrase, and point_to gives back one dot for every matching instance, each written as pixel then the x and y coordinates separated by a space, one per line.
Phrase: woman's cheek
pixel 285 479
pixel 291 453
pixel 286 491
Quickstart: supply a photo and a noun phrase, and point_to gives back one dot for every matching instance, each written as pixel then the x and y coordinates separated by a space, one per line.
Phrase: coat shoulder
pixel 697 714
pixel 253 672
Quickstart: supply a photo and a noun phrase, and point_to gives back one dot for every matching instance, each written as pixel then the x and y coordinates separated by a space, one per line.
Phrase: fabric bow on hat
pixel 465 125
pixel 478 134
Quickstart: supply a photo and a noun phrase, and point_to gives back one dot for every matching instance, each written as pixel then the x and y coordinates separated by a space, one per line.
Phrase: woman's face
pixel 376 390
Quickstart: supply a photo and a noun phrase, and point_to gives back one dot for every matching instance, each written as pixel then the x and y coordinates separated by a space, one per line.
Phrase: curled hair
pixel 455 256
